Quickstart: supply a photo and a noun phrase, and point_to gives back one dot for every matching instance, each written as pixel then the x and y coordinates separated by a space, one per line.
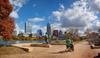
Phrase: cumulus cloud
pixel 57 14
pixel 94 5
pixel 98 24
pixel 79 15
pixel 14 14
pixel 36 19
pixel 37 27
pixel 17 4
pixel 61 7
pixel 57 26
pixel 17 29
pixel 21 31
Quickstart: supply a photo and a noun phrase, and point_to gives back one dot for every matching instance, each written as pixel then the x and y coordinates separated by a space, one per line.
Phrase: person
pixel 46 39
pixel 69 43
pixel 98 56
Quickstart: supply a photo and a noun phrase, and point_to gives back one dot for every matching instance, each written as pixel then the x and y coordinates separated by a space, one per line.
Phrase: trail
pixel 82 50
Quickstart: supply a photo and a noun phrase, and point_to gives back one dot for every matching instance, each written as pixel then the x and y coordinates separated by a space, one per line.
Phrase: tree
pixel 30 35
pixel 21 34
pixel 74 33
pixel 6 22
pixel 87 32
pixel 99 31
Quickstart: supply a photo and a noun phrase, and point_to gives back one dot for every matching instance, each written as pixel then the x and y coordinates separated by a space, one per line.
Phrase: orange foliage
pixel 6 23
pixel 5 8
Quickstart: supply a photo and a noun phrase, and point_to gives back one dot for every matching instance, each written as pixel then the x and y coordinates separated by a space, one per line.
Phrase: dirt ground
pixel 82 50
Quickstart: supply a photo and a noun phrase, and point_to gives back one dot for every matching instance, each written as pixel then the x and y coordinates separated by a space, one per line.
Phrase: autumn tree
pixel 6 22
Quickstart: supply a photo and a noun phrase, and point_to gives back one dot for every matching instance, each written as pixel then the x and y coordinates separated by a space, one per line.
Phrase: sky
pixel 61 14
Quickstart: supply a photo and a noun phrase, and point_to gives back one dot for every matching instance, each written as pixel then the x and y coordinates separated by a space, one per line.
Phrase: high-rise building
pixel 61 35
pixel 28 27
pixel 60 32
pixel 55 33
pixel 48 29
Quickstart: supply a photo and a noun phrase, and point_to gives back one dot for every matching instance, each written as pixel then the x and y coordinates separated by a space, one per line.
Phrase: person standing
pixel 46 39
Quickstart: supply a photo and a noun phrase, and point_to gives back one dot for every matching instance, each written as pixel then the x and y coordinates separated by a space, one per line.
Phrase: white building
pixel 28 27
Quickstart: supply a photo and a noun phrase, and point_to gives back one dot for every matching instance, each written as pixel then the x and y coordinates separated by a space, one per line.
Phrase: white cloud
pixel 98 24
pixel 57 26
pixel 37 27
pixel 81 33
pixel 94 5
pixel 57 14
pixel 79 15
pixel 22 30
pixel 36 19
pixel 17 5
pixel 14 14
pixel 61 7
pixel 17 29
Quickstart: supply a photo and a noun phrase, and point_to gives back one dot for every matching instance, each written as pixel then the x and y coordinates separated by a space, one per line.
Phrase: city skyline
pixel 61 14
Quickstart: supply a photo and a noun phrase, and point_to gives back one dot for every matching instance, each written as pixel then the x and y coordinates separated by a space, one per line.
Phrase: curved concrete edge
pixel 27 49
pixel 41 45
pixel 29 46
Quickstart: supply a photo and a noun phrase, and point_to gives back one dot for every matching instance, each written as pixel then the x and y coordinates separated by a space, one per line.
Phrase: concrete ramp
pixel 30 46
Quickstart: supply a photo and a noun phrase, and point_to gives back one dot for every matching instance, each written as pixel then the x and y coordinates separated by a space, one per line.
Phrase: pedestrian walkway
pixel 82 50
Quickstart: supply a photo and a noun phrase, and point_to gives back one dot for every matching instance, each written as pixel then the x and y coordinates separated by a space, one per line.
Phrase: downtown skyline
pixel 61 14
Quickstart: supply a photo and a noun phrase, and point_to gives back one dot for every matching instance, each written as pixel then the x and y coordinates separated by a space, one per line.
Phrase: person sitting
pixel 69 43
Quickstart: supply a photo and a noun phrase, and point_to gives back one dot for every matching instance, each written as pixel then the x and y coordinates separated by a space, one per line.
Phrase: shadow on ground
pixel 59 52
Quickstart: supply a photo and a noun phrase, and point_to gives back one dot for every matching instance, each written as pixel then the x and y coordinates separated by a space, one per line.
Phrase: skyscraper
pixel 55 33
pixel 28 27
pixel 48 29
pixel 61 35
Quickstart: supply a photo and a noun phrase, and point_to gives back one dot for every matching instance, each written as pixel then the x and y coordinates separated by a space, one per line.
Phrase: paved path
pixel 82 50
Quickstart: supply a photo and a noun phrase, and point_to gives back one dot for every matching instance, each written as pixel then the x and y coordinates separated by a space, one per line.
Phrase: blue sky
pixel 41 9
pixel 61 14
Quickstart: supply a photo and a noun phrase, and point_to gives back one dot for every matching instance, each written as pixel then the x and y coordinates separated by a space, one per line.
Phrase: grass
pixel 8 50
pixel 62 42
pixel 58 42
